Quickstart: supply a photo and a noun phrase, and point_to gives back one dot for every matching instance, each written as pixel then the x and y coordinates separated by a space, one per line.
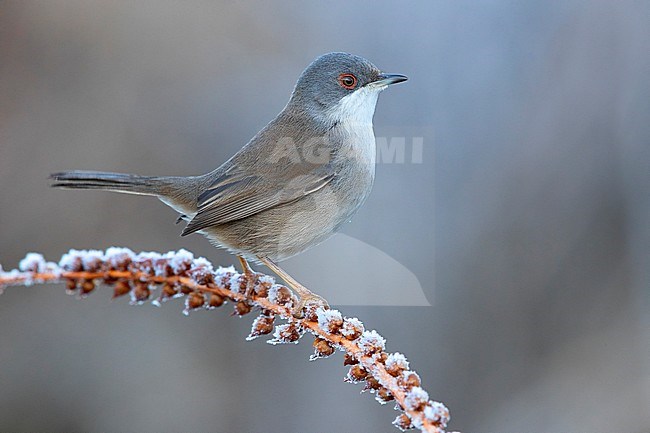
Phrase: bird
pixel 292 186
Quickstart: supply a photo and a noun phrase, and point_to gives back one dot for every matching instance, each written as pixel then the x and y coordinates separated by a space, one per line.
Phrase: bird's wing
pixel 236 194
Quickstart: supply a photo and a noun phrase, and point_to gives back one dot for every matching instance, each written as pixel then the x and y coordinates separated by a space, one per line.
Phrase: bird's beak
pixel 388 79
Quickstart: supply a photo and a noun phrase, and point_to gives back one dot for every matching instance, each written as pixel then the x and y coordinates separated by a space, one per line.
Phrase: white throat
pixel 353 118
pixel 356 108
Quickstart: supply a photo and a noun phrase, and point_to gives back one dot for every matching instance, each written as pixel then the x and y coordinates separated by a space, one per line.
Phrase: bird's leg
pixel 306 296
pixel 251 276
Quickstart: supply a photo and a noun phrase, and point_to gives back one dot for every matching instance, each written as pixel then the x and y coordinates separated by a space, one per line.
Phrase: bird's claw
pixel 307 299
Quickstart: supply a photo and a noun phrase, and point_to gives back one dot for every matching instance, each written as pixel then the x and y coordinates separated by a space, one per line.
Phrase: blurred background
pixel 527 222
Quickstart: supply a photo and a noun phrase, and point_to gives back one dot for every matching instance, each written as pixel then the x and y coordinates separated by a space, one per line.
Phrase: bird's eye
pixel 348 81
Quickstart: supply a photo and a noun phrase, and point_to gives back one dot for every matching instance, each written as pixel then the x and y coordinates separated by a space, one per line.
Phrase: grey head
pixel 340 85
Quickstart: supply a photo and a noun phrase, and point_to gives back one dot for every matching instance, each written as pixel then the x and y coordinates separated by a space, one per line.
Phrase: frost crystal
pixel 180 261
pixel 237 283
pixel 280 295
pixel 71 261
pixel 201 270
pixel 33 262
pixel 403 422
pixel 221 271
pixel 119 258
pixel 416 398
pixel 266 279
pixel 437 412
pixel 371 342
pixel 262 325
pixel 202 262
pixel 322 349
pixel 356 374
pixel 329 320
pixel 92 260
pixel 352 328
pixel 144 262
pixel 287 333
pixel 396 362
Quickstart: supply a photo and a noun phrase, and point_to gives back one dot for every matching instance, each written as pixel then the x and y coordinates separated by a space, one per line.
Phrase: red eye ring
pixel 347 81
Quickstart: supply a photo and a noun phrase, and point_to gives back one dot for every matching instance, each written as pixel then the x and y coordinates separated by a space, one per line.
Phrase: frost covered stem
pixel 179 274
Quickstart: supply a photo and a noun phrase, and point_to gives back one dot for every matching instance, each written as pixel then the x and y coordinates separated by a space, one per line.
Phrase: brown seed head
pixel 356 374
pixel 87 286
pixel 349 359
pixel 215 300
pixel 121 288
pixel 408 379
pixel 372 383
pixel 352 328
pixel 322 348
pixel 194 300
pixel 384 395
pixel 242 308
pixel 262 325
pixel 71 285
pixel 403 422
pixel 140 292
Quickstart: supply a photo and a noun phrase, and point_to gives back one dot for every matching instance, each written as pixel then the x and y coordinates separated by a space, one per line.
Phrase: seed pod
pixel 194 300
pixel 262 325
pixel 263 285
pixel 93 261
pixel 159 266
pixel 371 342
pixel 356 374
pixel 322 349
pixel 140 292
pixel 70 286
pixel 408 379
pixel 311 312
pixel 280 295
pixel 349 359
pixel 381 357
pixel 87 286
pixel 118 259
pixel 372 383
pixel 329 320
pixel 242 308
pixel 403 422
pixel 396 363
pixel 437 413
pixel 202 273
pixel 121 288
pixel 352 328
pixel 384 396
pixel 215 301
pixel 71 261
pixel 287 333
pixel 168 291
pixel 416 398
pixel 180 261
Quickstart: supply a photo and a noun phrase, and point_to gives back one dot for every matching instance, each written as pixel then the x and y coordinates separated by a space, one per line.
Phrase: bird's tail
pixel 126 183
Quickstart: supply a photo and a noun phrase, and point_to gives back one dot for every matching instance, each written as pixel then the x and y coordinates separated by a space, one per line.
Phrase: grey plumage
pixel 294 183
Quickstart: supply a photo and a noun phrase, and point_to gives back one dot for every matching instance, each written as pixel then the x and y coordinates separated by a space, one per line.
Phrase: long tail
pixel 126 183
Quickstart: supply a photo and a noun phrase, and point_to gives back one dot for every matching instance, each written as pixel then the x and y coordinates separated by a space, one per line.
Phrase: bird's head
pixel 341 87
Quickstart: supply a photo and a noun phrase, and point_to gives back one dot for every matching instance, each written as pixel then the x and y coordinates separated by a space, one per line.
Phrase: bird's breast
pixel 354 164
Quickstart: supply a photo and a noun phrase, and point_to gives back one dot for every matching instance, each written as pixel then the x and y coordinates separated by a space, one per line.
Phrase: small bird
pixel 292 185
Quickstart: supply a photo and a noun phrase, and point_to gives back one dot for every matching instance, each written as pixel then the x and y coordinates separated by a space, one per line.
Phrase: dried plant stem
pixel 386 375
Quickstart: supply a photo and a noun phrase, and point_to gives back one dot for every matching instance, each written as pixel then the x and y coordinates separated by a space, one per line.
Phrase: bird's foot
pixel 307 299
pixel 252 277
